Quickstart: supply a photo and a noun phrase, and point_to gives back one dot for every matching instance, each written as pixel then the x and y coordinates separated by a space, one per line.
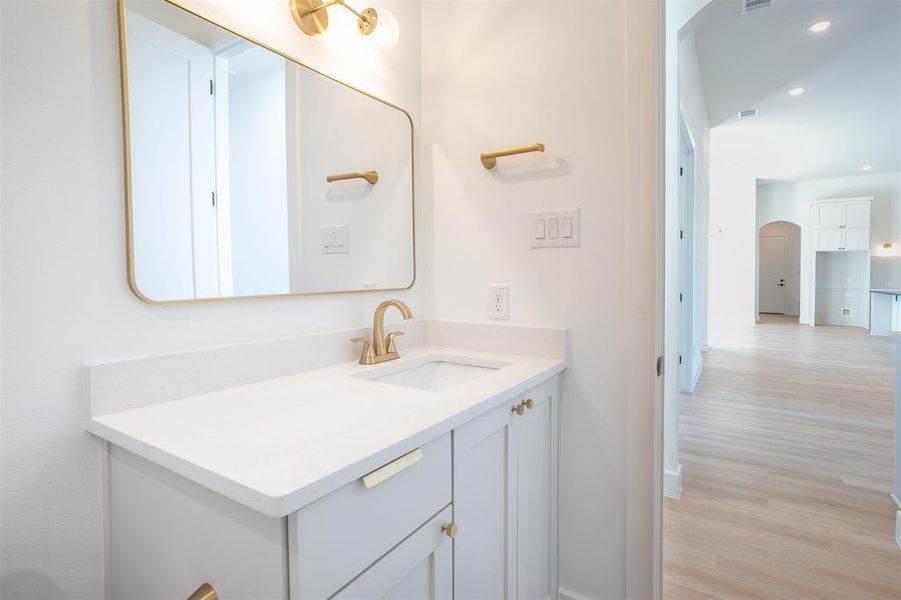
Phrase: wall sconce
pixel 887 249
pixel 312 16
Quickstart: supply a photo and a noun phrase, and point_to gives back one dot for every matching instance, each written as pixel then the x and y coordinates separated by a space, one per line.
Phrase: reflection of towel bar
pixel 489 159
pixel 371 176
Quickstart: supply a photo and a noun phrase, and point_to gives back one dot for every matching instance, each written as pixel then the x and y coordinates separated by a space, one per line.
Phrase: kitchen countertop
pixel 886 291
pixel 279 444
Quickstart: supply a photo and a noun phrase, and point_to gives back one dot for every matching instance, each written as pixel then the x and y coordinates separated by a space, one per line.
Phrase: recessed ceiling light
pixel 867 168
pixel 819 26
pixel 796 91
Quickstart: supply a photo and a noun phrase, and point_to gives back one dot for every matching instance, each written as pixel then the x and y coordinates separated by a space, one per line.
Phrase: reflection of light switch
pixel 553 228
pixel 566 227
pixel 333 240
pixel 539 229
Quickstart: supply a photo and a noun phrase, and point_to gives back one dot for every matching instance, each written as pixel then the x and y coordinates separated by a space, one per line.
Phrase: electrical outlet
pixel 500 302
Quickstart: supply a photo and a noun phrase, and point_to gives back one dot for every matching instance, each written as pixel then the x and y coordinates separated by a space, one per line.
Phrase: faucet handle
pixel 389 340
pixel 367 356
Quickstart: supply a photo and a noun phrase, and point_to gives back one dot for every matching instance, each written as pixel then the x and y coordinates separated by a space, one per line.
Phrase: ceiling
pixel 850 114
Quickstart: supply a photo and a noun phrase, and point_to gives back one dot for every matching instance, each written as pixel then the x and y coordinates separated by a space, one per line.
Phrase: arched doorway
pixel 779 269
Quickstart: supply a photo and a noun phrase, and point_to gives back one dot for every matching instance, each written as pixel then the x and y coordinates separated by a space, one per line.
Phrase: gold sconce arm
pixel 371 176
pixel 312 18
pixel 489 159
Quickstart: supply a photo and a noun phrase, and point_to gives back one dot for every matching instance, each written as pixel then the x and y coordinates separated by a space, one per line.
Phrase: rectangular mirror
pixel 250 174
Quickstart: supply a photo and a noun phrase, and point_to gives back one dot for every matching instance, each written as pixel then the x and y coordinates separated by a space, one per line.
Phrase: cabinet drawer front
pixel 335 538
pixel 420 567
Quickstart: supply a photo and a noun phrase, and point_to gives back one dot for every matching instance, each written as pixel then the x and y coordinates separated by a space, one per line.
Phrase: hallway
pixel 786 449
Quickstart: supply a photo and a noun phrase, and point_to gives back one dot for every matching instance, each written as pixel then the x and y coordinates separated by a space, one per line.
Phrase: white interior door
pixel 172 148
pixel 772 274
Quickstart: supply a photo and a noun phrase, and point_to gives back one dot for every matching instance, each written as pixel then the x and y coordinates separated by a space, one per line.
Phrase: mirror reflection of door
pixel 772 274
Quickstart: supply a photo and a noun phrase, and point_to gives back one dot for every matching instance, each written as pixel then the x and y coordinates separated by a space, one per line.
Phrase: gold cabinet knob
pixel 449 529
pixel 530 404
pixel 519 408
pixel 204 592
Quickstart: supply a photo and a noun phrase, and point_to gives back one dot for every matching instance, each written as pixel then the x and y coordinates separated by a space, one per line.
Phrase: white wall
pixel 572 77
pixel 790 201
pixel 66 299
pixel 732 293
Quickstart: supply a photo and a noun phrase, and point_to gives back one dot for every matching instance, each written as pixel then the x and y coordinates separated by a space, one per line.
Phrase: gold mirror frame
pixel 126 138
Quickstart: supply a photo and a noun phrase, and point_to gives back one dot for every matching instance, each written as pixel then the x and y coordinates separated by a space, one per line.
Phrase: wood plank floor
pixel 786 451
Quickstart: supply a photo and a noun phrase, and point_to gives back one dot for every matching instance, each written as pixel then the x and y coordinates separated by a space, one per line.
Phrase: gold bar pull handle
pixel 392 468
pixel 489 159
pixel 204 592
pixel 371 176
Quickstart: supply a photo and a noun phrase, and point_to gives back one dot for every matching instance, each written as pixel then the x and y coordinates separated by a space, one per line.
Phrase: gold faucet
pixel 382 347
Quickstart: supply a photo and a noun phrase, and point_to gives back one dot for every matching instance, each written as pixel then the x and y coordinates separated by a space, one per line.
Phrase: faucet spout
pixel 379 342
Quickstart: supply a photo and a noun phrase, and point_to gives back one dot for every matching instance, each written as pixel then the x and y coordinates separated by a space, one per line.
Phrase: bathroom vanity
pixel 430 476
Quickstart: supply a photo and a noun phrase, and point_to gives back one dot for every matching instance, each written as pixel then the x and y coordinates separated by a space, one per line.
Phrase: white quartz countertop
pixel 277 445
pixel 885 291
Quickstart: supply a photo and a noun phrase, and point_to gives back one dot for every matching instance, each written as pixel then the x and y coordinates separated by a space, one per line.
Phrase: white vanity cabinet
pixel 505 499
pixel 472 513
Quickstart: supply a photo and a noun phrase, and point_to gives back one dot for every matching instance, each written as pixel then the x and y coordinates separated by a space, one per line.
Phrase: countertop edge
pixel 284 505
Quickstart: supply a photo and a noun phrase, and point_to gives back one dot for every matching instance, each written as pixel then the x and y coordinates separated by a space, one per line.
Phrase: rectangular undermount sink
pixel 433 373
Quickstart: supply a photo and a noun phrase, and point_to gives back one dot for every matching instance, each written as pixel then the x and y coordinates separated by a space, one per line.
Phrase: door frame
pixel 686 198
pixel 785 261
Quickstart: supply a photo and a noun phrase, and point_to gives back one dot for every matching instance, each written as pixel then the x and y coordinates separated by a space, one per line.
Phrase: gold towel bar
pixel 371 176
pixel 204 592
pixel 489 159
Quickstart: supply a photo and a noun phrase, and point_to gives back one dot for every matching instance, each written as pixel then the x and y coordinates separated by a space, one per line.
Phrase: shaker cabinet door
pixel 419 568
pixel 536 495
pixel 483 506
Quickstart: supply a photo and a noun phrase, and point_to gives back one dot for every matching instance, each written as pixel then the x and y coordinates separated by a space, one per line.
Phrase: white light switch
pixel 334 240
pixel 553 228
pixel 560 228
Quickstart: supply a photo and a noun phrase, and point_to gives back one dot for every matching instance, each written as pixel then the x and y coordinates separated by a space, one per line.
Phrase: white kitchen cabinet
pixel 856 239
pixel 841 225
pixel 420 567
pixel 856 214
pixel 505 499
pixel 829 215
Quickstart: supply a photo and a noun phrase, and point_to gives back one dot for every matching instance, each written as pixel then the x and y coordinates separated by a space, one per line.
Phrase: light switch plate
pixel 499 307
pixel 560 228
pixel 334 240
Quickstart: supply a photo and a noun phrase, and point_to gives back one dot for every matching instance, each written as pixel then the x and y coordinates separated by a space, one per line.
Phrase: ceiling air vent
pixel 747 114
pixel 749 6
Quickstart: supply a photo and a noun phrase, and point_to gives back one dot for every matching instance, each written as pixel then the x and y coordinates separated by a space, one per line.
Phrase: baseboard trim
pixel 898 528
pixel 672 483
pixel 699 366
pixel 565 594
